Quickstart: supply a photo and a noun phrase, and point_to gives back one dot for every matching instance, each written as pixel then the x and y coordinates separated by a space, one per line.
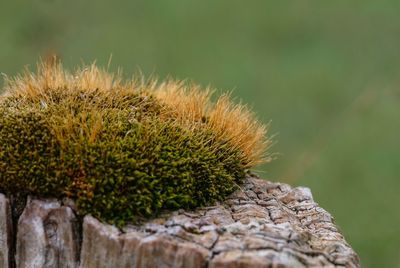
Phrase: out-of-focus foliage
pixel 326 73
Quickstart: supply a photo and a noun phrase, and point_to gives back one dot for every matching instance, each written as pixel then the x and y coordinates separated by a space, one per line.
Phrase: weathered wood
pixel 105 246
pixel 263 224
pixel 5 232
pixel 47 236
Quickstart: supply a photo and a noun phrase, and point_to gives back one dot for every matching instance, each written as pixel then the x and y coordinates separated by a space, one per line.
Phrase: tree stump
pixel 263 224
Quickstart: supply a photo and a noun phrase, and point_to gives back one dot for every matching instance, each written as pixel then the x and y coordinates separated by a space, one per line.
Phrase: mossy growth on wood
pixel 123 150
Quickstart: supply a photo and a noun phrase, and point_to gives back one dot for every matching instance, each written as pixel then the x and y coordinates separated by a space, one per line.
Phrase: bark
pixel 263 224
pixel 5 232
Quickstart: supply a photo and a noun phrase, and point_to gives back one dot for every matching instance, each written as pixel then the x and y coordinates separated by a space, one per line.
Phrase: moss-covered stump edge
pixel 123 150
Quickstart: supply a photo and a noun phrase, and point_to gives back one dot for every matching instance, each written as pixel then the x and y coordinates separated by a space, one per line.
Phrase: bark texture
pixel 263 224
pixel 47 236
pixel 5 232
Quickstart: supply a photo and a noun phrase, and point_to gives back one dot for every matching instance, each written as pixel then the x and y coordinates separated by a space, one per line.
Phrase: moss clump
pixel 123 151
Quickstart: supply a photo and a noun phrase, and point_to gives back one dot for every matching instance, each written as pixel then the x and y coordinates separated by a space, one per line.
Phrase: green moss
pixel 134 164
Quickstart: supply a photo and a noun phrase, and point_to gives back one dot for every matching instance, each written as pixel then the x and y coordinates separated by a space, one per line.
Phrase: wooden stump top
pixel 263 224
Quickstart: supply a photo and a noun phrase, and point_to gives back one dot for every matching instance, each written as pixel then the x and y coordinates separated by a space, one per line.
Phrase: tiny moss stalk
pixel 123 150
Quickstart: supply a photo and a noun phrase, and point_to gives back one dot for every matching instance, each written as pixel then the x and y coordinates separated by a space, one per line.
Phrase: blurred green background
pixel 325 73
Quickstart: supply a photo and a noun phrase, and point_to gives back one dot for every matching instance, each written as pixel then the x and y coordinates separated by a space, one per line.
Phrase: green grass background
pixel 325 72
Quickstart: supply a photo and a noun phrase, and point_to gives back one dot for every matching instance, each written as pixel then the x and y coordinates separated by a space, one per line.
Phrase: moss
pixel 119 153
